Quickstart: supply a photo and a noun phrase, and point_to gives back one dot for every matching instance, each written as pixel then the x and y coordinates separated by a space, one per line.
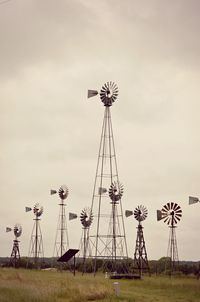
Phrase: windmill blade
pixel 92 93
pixel 169 220
pixel 166 219
pixel 128 213
pixel 72 216
pixel 193 200
pixel 178 211
pixel 28 209
pixel 168 205
pixel 8 229
pixel 175 219
pixel 165 208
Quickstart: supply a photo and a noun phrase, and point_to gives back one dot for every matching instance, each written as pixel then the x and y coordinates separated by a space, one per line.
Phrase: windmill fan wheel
pixel 116 191
pixel 18 230
pixel 63 192
pixel 86 217
pixel 171 213
pixel 109 93
pixel 37 210
pixel 140 213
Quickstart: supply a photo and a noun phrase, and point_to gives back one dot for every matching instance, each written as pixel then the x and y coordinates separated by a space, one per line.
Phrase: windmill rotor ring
pixel 63 192
pixel 17 230
pixel 140 213
pixel 86 217
pixel 171 213
pixel 116 191
pixel 109 93
pixel 37 210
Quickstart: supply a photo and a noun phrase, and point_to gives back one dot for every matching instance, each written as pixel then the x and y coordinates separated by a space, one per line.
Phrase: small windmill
pixel 36 244
pixel 171 213
pixel 15 254
pixel 86 218
pixel 140 255
pixel 62 240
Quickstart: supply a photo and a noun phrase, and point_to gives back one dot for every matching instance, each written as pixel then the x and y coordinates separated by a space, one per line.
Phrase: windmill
pixel 61 241
pixel 15 254
pixel 86 218
pixel 171 213
pixel 107 233
pixel 36 244
pixel 140 255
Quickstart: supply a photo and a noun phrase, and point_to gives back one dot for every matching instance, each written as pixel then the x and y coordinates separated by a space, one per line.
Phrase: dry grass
pixel 42 286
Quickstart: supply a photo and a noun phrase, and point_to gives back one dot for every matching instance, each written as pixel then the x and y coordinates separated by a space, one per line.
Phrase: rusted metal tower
pixel 171 213
pixel 140 262
pixel 107 233
pixel 15 254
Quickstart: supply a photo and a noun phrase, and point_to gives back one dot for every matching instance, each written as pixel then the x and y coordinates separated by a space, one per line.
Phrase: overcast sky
pixel 51 52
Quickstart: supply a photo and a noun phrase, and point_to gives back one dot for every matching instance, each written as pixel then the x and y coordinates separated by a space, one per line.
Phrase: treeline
pixel 161 266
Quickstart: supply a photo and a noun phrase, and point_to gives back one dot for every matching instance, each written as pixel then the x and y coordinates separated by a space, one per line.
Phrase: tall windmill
pixel 171 213
pixel 107 233
pixel 140 262
pixel 36 250
pixel 15 254
pixel 61 241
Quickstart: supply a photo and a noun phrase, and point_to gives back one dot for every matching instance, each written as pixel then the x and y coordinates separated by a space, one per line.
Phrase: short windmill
pixel 62 240
pixel 86 218
pixel 171 214
pixel 15 254
pixel 140 255
pixel 36 244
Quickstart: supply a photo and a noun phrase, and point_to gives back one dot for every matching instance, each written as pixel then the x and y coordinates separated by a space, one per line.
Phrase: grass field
pixel 48 286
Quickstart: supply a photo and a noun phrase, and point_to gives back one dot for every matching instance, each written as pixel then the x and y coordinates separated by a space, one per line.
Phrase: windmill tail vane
pixel 102 190
pixel 92 93
pixel 193 200
pixel 128 213
pixel 72 216
pixel 159 215
pixel 53 192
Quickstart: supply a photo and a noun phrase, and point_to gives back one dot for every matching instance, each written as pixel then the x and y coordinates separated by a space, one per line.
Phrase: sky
pixel 51 53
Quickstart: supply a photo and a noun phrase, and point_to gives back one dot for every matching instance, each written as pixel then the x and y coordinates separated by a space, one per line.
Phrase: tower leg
pixel 36 244
pixel 172 251
pixel 107 233
pixel 140 256
pixel 15 255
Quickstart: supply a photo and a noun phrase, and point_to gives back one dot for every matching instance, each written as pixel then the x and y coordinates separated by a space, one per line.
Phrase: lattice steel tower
pixel 107 232
pixel 140 262
pixel 15 254
pixel 61 241
pixel 171 213
pixel 86 218
pixel 36 250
